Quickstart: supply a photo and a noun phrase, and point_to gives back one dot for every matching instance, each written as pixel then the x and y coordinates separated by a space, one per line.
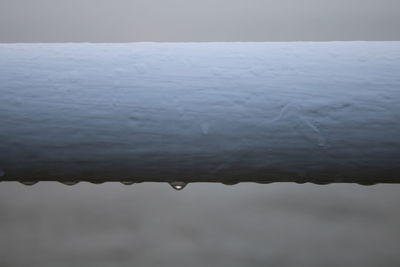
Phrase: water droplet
pixel 96 182
pixel 70 182
pixel 127 182
pixel 178 185
pixel 230 183
pixel 28 182
pixel 265 182
pixel 367 183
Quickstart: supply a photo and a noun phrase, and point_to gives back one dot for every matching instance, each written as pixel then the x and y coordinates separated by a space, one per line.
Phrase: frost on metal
pixel 200 112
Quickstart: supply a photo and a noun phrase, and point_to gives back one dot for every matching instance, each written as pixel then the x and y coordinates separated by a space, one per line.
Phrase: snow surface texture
pixel 196 112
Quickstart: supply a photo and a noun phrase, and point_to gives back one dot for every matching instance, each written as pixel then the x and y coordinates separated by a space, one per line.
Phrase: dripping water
pixel 230 183
pixel 70 182
pixel 28 182
pixel 127 182
pixel 178 185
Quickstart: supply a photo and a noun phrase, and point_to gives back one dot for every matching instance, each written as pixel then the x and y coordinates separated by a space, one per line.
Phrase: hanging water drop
pixel 367 183
pixel 96 182
pixel 127 182
pixel 178 185
pixel 28 182
pixel 70 182
pixel 229 183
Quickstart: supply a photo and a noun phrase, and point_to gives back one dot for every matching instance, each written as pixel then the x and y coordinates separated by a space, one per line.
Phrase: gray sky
pixel 197 20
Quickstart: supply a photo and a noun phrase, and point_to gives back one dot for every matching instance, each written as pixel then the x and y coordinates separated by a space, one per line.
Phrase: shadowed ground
pixel 50 224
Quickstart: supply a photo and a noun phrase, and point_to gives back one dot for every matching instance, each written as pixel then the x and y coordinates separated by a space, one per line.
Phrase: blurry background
pixel 197 20
pixel 50 224
pixel 150 224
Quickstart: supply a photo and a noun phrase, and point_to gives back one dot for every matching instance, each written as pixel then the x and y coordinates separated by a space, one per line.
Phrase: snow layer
pixel 300 111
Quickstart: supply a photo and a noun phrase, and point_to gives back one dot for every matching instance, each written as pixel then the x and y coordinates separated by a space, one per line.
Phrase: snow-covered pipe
pixel 201 112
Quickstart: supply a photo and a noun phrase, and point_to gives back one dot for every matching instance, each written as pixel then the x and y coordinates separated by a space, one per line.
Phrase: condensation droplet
pixel 28 182
pixel 70 182
pixel 265 182
pixel 127 182
pixel 178 185
pixel 96 182
pixel 230 183
pixel 367 183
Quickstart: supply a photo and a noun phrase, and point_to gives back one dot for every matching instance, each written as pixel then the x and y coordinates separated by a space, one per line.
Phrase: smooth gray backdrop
pixel 197 20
